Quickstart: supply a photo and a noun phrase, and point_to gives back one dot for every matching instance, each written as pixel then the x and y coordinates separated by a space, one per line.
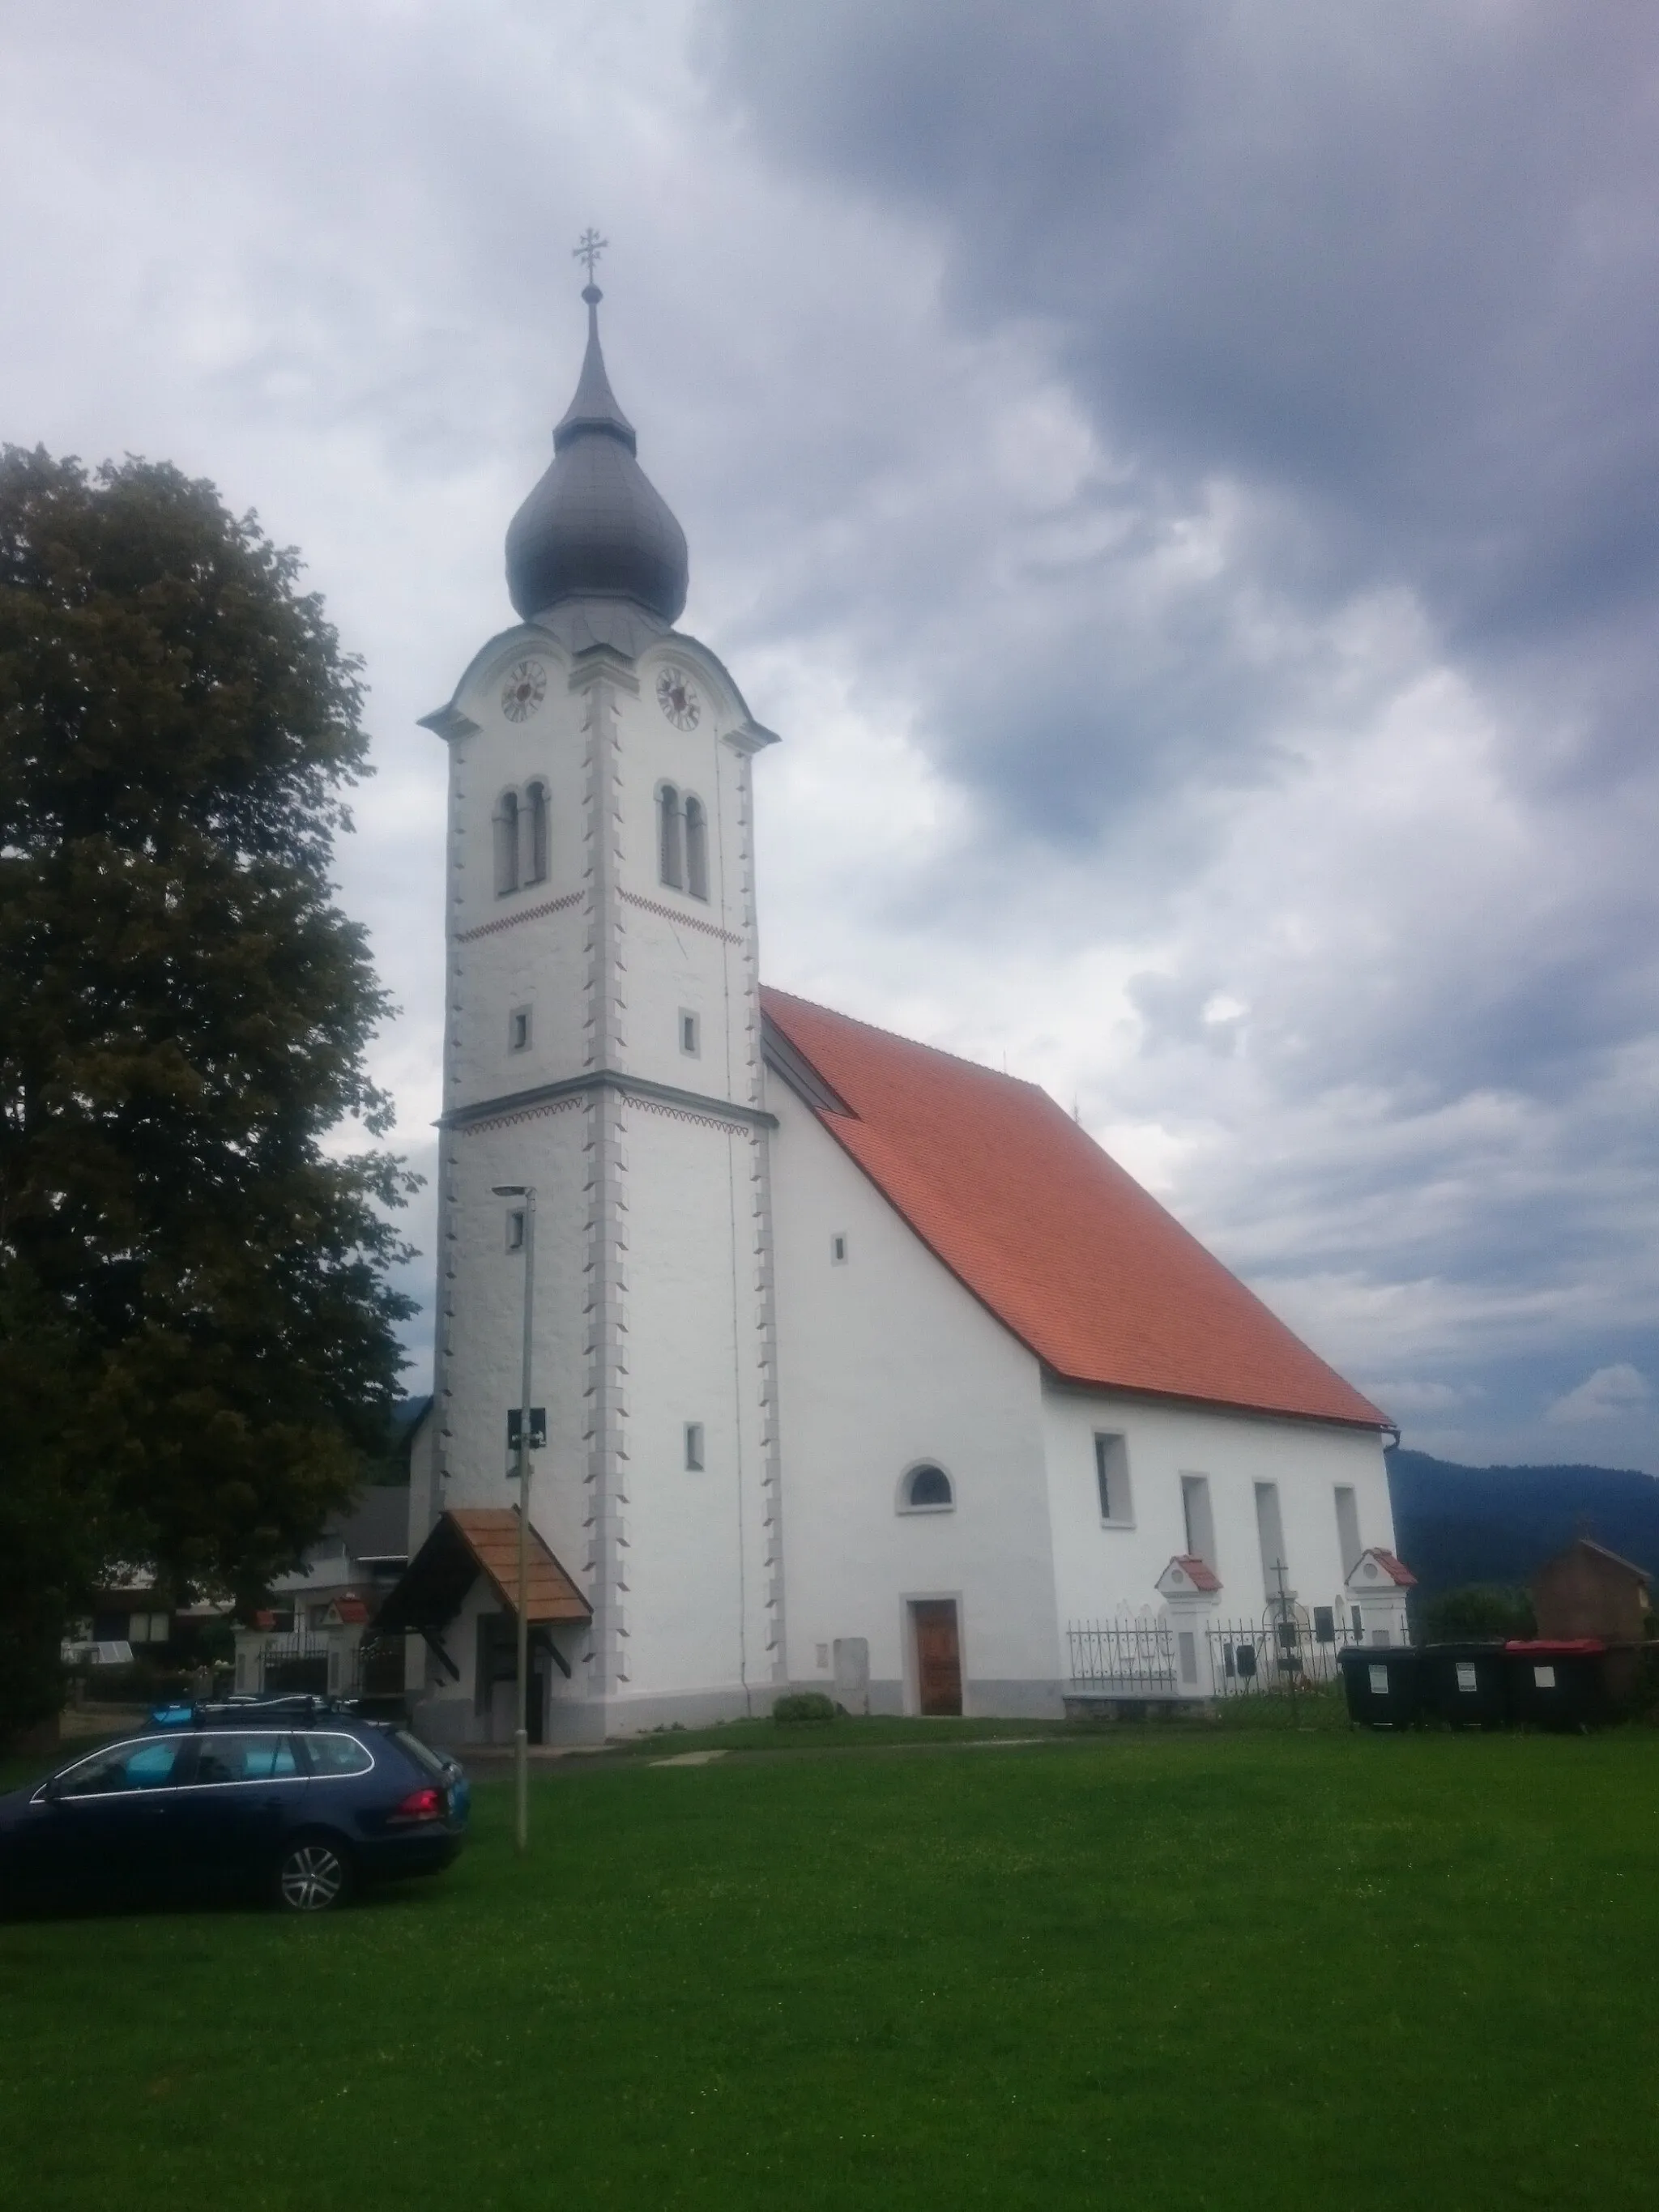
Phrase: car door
pixel 105 1825
pixel 240 1795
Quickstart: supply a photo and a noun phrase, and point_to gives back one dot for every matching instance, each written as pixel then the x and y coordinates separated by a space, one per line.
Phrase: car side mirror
pixel 50 1790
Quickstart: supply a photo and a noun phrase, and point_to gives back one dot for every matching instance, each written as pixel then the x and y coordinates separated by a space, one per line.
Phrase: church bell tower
pixel 602 1049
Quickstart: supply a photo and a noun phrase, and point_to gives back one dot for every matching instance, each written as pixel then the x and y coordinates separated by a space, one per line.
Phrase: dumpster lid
pixel 1541 1647
pixel 1467 1647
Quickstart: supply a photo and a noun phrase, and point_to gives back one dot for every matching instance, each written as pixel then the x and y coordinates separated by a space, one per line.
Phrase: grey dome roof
pixel 595 527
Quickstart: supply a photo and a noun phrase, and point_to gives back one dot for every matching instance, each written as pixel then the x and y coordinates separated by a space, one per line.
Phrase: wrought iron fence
pixel 1124 1658
pixel 323 1665
pixel 1278 1655
pixel 1147 1656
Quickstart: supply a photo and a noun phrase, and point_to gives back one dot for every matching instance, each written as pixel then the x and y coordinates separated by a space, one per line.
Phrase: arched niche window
pixel 697 848
pixel 926 1489
pixel 535 834
pixel 671 843
pixel 507 843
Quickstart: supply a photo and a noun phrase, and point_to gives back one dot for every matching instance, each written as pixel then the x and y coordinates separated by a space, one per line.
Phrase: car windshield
pixel 422 1755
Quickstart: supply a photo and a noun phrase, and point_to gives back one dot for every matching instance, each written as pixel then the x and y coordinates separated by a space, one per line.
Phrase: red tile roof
pixel 491 1534
pixel 1395 1570
pixel 1199 1572
pixel 1064 1248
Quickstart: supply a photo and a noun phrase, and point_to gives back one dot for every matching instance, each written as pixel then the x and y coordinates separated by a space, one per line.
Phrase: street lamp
pixel 521 1732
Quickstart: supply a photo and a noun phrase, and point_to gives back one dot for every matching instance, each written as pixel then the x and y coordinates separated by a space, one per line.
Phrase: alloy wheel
pixel 311 1878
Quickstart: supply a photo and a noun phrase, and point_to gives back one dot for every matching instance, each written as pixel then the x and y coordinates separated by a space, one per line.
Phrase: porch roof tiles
pixel 472 1540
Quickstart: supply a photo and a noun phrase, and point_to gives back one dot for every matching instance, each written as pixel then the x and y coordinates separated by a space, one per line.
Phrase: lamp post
pixel 521 1732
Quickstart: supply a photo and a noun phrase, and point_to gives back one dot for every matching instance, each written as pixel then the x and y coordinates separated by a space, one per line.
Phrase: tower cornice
pixel 607 1079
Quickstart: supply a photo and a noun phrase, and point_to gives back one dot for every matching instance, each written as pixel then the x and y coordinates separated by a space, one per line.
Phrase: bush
pixel 1478 1609
pixel 141 1683
pixel 805 1705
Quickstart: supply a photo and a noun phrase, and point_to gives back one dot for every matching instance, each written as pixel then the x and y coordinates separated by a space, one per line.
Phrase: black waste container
pixel 1381 1682
pixel 1466 1684
pixel 1557 1684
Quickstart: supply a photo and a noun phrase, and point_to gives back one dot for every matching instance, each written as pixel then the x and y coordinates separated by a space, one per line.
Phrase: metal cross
pixel 589 250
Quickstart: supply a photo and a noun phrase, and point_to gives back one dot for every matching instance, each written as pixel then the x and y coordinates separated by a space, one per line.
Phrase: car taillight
pixel 424 1804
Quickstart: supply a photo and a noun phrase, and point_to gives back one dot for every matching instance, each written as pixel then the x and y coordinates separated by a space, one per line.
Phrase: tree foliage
pixel 1477 1610
pixel 197 1331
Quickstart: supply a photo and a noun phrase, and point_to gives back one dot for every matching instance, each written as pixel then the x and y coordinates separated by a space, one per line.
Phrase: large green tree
pixel 198 1334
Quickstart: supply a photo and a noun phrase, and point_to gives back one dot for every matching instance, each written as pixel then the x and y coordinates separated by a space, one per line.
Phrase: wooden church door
pixel 939 1655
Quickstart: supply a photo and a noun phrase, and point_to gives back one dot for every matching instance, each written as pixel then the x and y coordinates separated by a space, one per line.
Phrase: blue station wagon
pixel 296 1799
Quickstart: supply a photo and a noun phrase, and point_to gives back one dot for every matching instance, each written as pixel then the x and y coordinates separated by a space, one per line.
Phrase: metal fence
pixel 1124 1658
pixel 1278 1655
pixel 1148 1656
pixel 323 1665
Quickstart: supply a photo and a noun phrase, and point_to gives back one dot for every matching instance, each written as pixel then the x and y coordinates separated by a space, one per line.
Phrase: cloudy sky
pixel 1183 478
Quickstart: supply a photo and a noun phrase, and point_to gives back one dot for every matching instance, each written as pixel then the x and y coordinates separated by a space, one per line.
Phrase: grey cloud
pixel 1127 410
pixel 1398 262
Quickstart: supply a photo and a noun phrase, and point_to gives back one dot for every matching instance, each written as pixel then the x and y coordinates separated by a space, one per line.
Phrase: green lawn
pixel 1195 1969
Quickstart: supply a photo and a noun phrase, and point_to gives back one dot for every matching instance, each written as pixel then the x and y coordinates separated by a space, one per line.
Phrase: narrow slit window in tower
pixel 671 860
pixel 696 848
pixel 535 841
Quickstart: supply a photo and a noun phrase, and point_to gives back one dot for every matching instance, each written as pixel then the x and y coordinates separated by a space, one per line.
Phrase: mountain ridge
pixel 1455 1524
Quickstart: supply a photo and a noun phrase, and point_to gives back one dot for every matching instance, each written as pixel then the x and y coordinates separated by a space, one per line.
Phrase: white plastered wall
pixel 525 947
pixel 1101 1571
pixel 695 1566
pixel 667 1301
pixel 885 1361
pixel 685 953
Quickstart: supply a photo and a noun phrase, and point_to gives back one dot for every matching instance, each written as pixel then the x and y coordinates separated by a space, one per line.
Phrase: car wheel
pixel 312 1875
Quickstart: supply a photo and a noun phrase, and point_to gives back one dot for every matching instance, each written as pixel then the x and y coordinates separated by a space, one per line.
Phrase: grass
pixel 844 1733
pixel 1164 1969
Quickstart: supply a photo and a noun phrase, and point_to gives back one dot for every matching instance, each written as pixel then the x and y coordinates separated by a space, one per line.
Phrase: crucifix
pixel 589 250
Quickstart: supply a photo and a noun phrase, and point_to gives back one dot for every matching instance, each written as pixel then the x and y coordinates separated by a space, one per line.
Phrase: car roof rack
pixel 301 1705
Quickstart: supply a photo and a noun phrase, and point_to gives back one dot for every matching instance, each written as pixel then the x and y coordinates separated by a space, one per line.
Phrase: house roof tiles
pixel 1064 1246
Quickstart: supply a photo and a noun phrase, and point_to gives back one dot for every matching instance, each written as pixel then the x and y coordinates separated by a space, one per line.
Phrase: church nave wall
pixel 885 1361
pixel 1105 1566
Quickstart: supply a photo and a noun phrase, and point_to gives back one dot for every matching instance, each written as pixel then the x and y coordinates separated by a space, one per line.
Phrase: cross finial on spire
pixel 589 249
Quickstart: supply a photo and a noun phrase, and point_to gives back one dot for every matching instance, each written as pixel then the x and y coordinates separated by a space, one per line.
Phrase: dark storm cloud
pixel 1364 301
pixel 1397 262
pixel 1392 269
pixel 1180 477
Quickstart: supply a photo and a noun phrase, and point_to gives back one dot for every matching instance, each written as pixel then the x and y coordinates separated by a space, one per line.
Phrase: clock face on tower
pixel 677 698
pixel 524 690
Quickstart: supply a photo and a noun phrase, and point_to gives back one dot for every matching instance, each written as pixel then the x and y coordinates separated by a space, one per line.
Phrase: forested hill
pixel 1495 1524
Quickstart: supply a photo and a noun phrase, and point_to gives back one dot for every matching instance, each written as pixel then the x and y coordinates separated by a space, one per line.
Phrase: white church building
pixel 861 1367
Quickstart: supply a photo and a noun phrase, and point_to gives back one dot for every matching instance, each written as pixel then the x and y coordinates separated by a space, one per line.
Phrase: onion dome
pixel 595 527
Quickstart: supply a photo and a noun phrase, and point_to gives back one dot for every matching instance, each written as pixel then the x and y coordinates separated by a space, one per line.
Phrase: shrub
pixel 805 1705
pixel 1478 1609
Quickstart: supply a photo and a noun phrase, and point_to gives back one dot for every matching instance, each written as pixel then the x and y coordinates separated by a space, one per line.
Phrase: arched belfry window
pixel 671 842
pixel 535 834
pixel 926 1489
pixel 507 843
pixel 697 848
